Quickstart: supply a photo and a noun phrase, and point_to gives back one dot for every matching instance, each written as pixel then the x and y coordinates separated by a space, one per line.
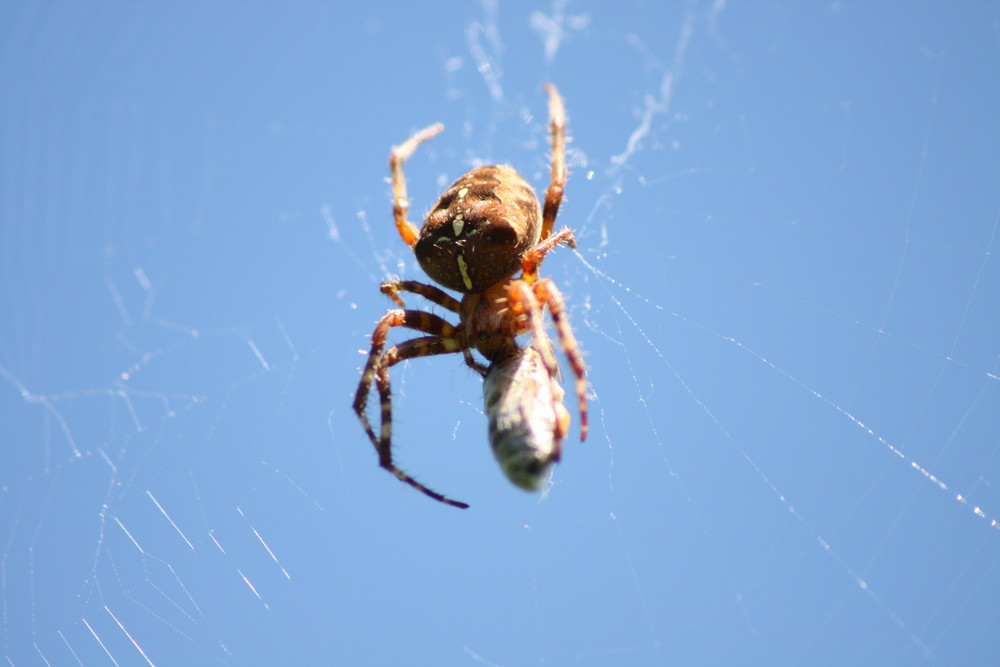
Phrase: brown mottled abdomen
pixel 477 231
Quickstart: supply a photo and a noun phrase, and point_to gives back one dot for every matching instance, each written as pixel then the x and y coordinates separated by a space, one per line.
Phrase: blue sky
pixel 786 287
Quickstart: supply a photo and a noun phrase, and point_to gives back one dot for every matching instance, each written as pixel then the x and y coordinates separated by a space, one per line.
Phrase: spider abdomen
pixel 476 233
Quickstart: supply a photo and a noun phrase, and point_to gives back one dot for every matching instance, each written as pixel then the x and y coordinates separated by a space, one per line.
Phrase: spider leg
pixel 532 259
pixel 400 205
pixel 441 340
pixel 549 295
pixel 417 347
pixel 524 304
pixel 471 362
pixel 429 292
pixel 528 301
pixel 412 319
pixel 554 193
pixel 434 295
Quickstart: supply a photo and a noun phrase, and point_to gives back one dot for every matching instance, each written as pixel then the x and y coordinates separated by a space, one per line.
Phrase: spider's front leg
pixel 441 341
pixel 418 347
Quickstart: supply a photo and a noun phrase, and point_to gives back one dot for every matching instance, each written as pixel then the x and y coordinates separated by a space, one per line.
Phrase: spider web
pixel 785 285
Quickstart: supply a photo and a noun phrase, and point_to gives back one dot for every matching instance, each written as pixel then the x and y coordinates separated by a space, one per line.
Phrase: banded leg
pixel 557 181
pixel 549 295
pixel 400 205
pixel 434 295
pixel 417 347
pixel 412 319
pixel 532 259
pixel 524 304
pixel 429 292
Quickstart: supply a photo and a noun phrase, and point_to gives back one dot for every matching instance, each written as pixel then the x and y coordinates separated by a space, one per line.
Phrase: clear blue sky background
pixel 786 286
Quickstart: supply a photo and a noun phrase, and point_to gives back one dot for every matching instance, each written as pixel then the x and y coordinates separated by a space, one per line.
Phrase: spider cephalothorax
pixel 483 229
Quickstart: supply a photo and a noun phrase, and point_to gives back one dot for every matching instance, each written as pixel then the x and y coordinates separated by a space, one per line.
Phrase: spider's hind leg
pixel 557 180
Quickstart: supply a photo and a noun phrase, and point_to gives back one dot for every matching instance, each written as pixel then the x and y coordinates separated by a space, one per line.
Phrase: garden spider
pixel 484 228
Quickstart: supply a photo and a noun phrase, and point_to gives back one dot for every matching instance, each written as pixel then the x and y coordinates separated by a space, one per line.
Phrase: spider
pixel 482 230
